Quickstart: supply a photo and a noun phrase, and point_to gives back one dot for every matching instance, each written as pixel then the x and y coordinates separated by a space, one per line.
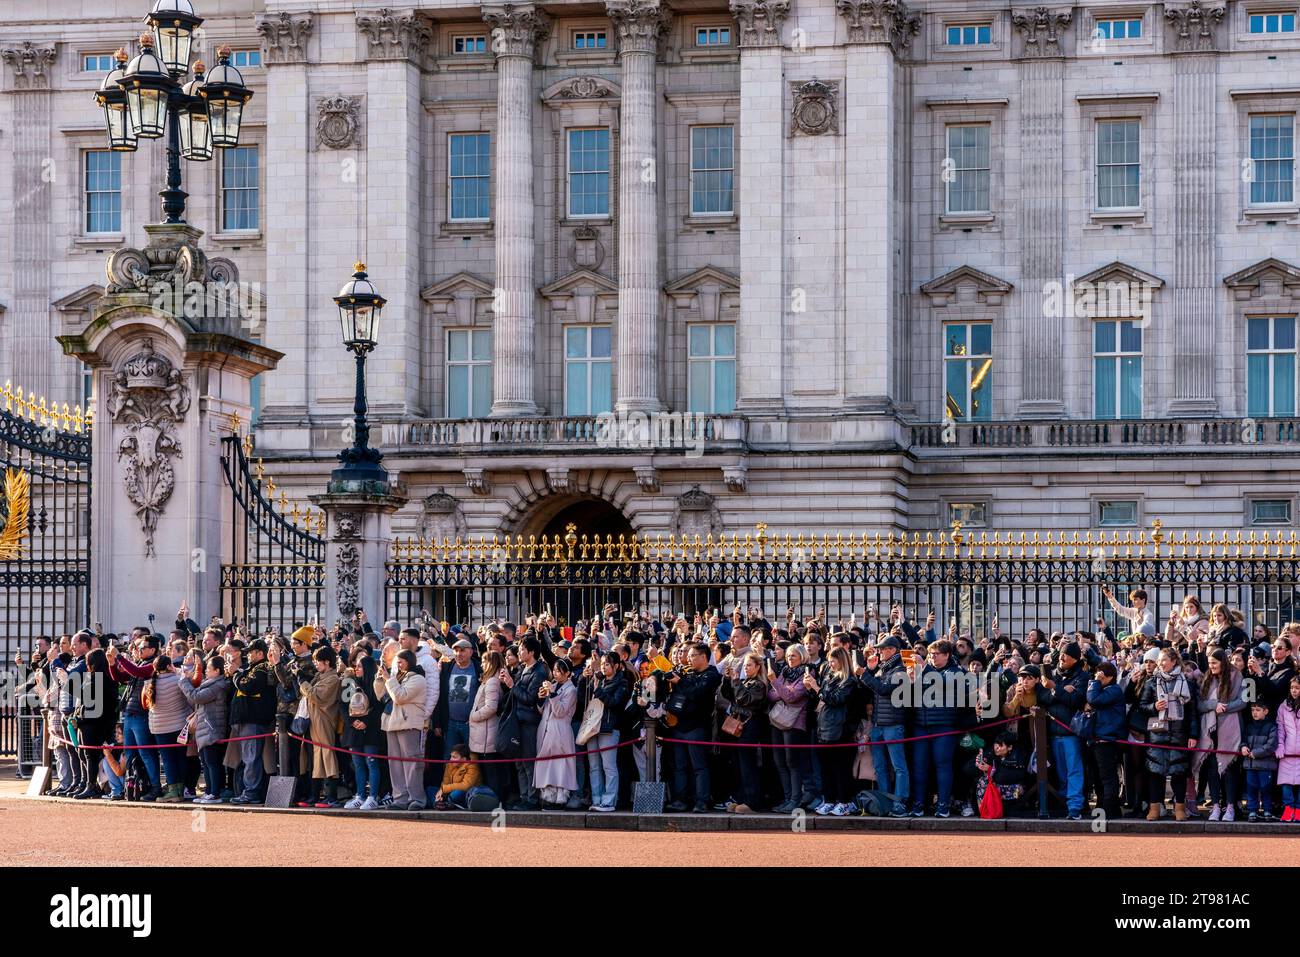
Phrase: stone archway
pixel 593 517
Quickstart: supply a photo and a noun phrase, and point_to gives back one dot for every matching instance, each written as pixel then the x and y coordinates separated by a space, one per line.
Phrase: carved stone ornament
pixel 696 514
pixel 1041 29
pixel 1195 25
pixel 29 63
pixel 476 480
pixel 284 36
pixel 148 400
pixel 736 477
pixel 647 477
pixel 558 478
pixel 588 251
pixel 760 21
pixel 814 112
pixel 338 120
pixel 879 21
pixel 442 518
pixel 517 28
pixel 585 88
pixel 394 36
pixel 347 525
pixel 349 579
pixel 640 24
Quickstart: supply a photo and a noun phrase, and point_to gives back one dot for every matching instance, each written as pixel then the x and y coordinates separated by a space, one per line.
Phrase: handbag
pixel 301 724
pixel 991 802
pixel 1084 725
pixel 783 715
pixel 591 720
pixel 510 740
pixel 733 726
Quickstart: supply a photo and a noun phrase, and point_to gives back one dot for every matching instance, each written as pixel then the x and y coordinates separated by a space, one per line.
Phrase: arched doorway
pixel 592 517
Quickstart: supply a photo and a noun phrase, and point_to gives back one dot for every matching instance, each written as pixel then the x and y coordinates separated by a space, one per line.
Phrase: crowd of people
pixel 885 716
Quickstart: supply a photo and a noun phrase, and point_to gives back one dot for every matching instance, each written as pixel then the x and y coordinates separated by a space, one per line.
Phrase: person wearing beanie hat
pixel 1063 691
pixel 291 671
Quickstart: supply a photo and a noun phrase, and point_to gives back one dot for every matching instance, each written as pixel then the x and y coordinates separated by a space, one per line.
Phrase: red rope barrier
pixel 844 744
pixel 1147 744
pixel 131 747
pixel 393 757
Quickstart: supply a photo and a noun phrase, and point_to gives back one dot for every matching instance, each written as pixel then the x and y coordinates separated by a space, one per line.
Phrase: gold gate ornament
pixel 17 505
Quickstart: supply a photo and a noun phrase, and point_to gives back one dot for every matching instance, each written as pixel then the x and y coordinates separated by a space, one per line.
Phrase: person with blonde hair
pixel 787 697
pixel 745 690
pixel 483 722
pixel 1187 623
pixel 1169 703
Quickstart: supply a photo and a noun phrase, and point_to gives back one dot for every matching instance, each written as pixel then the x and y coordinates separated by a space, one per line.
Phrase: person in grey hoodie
pixel 168 716
pixel 211 700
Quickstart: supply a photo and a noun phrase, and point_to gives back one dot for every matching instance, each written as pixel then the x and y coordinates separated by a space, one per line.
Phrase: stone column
pixel 639 24
pixel 170 379
pixel 1194 42
pixel 878 35
pixel 760 378
pixel 359 539
pixel 516 31
pixel 1042 210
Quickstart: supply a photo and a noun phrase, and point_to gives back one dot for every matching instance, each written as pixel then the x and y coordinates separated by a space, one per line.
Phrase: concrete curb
pixel 718 821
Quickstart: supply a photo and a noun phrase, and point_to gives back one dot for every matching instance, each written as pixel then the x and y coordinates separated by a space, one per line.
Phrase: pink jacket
pixel 1288 745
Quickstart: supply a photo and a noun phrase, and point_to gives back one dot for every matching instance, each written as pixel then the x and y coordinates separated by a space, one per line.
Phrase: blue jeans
pixel 367 772
pixel 457 797
pixel 604 769
pixel 937 752
pixel 696 756
pixel 116 783
pixel 135 730
pixel 250 753
pixel 1259 791
pixel 173 759
pixel 889 758
pixel 1291 795
pixel 213 772
pixel 457 732
pixel 1067 753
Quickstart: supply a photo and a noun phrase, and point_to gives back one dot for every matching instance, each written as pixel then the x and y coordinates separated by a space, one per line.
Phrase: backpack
pixel 481 798
pixel 359 705
pixel 875 803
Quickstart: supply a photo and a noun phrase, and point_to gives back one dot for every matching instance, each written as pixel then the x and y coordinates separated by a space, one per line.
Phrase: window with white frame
pixel 103 193
pixel 1270 511
pixel 1272 158
pixel 469 44
pixel 712 373
pixel 1119 164
pixel 1117 513
pixel 1270 366
pixel 239 188
pixel 469 373
pixel 589 40
pixel 588 370
pixel 966 169
pixel 1272 23
pixel 1117 370
pixel 97 62
pixel 712 169
pixel 469 176
pixel 713 36
pixel 1117 28
pixel 970 514
pixel 589 172
pixel 968 371
pixel 969 34
pixel 246 58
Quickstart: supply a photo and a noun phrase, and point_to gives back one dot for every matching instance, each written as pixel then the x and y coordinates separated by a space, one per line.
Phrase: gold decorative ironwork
pixel 43 412
pixel 17 507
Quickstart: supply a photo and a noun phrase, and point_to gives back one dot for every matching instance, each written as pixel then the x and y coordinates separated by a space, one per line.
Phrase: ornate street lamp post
pixel 145 99
pixel 360 305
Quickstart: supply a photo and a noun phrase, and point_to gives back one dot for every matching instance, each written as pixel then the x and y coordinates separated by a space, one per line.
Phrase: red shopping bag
pixel 991 802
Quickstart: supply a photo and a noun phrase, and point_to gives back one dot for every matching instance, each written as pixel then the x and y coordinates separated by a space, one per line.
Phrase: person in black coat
pixel 362 732
pixel 691 700
pixel 1272 680
pixel 528 709
pixel 96 718
pixel 1172 708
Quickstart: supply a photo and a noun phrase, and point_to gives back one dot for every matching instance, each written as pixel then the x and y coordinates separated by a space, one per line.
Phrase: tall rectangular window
pixel 966 169
pixel 1270 366
pixel 1119 164
pixel 713 36
pixel 712 351
pixel 589 172
pixel 1272 23
pixel 968 371
pixel 470 176
pixel 1272 155
pixel 712 167
pixel 587 370
pixel 239 188
pixel 1118 29
pixel 469 373
pixel 969 34
pixel 1117 370
pixel 103 191
pixel 469 45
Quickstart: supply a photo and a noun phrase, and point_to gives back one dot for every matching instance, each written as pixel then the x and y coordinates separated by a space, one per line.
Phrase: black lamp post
pixel 360 305
pixel 145 99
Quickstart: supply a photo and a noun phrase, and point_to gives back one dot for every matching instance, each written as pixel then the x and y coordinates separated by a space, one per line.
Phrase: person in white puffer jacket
pixel 403 694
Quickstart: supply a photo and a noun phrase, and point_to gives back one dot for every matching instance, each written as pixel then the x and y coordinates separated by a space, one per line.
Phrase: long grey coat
pixel 212 708
pixel 483 717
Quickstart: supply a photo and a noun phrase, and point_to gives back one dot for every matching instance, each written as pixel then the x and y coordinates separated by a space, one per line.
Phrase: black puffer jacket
pixel 832 713
pixel 1061 704
pixel 613 694
pixel 748 697
pixel 1165 761
pixel 882 684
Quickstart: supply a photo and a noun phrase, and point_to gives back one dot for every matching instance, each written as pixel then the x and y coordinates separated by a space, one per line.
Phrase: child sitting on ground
pixel 460 775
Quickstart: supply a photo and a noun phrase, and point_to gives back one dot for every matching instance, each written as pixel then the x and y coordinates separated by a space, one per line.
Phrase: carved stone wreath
pixel 338 122
pixel 147 400
pixel 815 111
pixel 584 88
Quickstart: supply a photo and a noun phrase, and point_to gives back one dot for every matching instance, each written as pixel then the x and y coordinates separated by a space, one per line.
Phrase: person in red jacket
pixel 135 717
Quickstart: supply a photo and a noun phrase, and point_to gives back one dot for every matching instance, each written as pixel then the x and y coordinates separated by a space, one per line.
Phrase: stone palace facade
pixel 685 267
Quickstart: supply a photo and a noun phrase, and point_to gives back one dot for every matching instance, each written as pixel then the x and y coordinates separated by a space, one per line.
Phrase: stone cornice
pixel 879 22
pixel 29 62
pixel 639 24
pixel 403 35
pixel 284 36
pixel 517 28
pixel 760 21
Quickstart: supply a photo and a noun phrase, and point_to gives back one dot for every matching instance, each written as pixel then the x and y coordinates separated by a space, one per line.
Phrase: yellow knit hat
pixel 305 634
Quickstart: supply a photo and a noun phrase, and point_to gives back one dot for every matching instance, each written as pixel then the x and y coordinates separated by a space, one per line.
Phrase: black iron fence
pixel 275 575
pixel 1025 581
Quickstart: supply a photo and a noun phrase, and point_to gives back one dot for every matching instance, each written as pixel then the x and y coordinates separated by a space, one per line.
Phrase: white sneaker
pixel 824 808
pixel 1214 813
pixel 354 804
pixel 369 804
pixel 967 811
pixel 1229 813
pixel 840 810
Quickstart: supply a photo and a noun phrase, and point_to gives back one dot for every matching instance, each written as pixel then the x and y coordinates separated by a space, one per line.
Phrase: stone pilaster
pixel 1042 209
pixel 760 376
pixel 1194 37
pixel 359 537
pixel 640 24
pixel 516 31
pixel 284 36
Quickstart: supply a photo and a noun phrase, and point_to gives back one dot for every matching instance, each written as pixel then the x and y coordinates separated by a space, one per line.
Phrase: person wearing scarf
pixel 1169 704
pixel 786 688
pixel 1221 705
